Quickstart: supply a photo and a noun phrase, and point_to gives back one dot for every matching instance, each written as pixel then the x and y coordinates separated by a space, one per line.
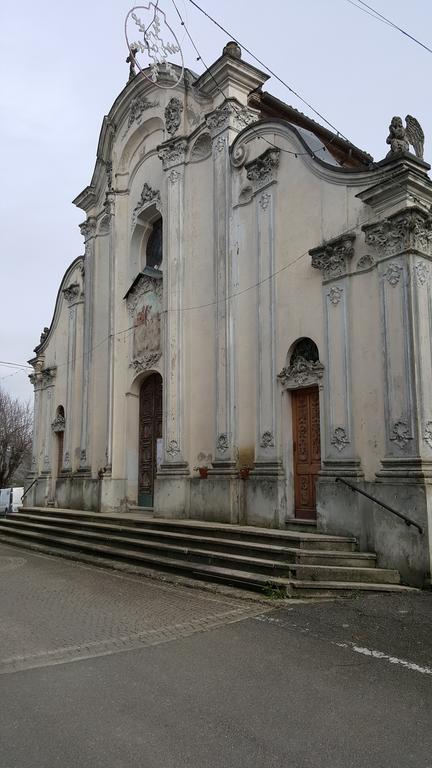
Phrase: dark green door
pixel 150 430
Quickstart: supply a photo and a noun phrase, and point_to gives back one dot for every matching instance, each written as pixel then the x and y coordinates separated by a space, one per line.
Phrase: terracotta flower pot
pixel 203 472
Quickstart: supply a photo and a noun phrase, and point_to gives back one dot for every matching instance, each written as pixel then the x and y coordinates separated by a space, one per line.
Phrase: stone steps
pixel 287 553
pixel 286 563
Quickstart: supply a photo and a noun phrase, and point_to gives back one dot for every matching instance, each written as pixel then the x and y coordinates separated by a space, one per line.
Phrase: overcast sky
pixel 63 64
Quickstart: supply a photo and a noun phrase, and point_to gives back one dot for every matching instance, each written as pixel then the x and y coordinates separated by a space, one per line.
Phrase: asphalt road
pixel 103 670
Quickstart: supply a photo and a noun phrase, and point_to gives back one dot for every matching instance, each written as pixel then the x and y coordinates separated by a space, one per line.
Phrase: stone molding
pixel 267 439
pixel 173 153
pixel 173 112
pixel 88 228
pixel 72 293
pixel 332 258
pixel 301 373
pixel 340 439
pixel 264 168
pixel 148 196
pixel 138 106
pixel 400 434
pixel 146 361
pixel 59 423
pixel 408 230
pixel 230 114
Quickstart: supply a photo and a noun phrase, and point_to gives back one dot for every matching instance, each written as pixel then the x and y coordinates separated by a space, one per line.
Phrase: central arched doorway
pixel 150 432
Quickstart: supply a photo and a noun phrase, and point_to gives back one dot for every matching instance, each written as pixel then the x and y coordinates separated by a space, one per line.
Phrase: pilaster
pixel 333 260
pixel 261 174
pixel 172 154
pixel 220 124
pixel 88 230
pixel 402 246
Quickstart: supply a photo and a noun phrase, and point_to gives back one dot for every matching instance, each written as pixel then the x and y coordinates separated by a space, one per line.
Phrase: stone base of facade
pixel 341 511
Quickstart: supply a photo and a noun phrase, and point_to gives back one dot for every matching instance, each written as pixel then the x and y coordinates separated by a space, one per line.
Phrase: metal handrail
pixel 27 489
pixel 406 519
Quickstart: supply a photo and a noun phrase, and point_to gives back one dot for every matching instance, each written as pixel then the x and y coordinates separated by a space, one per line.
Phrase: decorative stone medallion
pixel 340 439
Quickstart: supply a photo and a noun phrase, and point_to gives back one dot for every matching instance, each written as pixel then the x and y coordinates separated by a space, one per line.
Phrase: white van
pixel 10 499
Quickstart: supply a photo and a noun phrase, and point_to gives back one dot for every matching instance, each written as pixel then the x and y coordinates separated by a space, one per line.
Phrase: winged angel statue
pixel 401 137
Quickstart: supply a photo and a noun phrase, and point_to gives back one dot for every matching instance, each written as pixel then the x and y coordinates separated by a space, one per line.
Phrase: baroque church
pixel 248 333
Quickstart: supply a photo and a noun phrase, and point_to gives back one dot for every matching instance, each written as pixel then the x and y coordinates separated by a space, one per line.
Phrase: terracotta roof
pixel 343 151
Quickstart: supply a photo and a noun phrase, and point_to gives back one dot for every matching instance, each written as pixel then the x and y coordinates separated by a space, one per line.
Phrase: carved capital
pixel 408 230
pixel 88 228
pixel 173 153
pixel 263 168
pixel 229 115
pixel 332 258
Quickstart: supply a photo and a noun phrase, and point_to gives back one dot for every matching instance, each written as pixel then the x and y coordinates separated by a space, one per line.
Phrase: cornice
pixel 49 330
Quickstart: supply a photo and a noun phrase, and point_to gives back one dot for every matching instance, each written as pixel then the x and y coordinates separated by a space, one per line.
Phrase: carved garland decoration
pixel 173 113
pixel 148 196
pixel 300 373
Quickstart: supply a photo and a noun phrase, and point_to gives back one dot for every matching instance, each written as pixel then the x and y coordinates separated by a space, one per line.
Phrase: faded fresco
pixel 145 305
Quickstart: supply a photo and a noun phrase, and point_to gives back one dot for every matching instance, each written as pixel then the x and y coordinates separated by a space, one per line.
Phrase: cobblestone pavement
pixel 54 611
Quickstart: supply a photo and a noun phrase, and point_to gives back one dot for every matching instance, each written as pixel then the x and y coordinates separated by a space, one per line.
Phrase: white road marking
pixel 384 656
pixel 374 654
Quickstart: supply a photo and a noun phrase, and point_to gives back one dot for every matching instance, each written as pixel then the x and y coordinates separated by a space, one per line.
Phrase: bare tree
pixel 15 435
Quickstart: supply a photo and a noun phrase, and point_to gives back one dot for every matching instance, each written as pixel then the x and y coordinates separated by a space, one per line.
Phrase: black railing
pixel 27 489
pixel 406 519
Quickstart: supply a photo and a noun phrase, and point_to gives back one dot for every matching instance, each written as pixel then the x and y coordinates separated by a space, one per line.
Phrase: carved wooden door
pixel 307 450
pixel 150 430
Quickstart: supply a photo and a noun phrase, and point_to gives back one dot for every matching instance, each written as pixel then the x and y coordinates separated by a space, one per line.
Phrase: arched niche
pixel 144 138
pixel 202 148
pixel 303 367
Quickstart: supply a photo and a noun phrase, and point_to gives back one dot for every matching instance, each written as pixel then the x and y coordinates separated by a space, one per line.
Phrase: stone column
pixel 333 260
pixel 402 246
pixel 174 458
pixel 88 230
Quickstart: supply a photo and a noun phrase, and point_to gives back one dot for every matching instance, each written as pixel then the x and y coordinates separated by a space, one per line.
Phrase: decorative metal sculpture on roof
pixel 156 42
pixel 401 137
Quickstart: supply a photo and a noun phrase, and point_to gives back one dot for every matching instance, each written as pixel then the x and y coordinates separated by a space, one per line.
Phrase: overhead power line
pixel 380 17
pixel 262 64
pixel 237 109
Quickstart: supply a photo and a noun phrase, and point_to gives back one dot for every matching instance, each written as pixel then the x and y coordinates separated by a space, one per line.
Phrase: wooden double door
pixel 150 431
pixel 307 450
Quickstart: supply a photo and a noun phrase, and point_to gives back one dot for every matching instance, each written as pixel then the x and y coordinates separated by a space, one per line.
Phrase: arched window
pixel 154 246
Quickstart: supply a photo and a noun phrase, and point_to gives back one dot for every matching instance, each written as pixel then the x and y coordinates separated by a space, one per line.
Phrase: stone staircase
pixel 297 562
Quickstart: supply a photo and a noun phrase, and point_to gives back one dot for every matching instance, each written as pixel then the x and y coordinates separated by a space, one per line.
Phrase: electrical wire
pixel 380 17
pixel 262 64
pixel 236 108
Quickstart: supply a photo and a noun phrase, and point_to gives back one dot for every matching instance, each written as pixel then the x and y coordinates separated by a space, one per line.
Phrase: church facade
pixel 249 328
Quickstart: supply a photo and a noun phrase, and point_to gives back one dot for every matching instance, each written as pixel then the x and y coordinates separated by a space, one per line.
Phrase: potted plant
pixel 203 466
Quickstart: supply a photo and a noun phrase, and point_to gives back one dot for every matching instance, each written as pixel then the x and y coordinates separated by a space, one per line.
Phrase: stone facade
pixel 267 241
